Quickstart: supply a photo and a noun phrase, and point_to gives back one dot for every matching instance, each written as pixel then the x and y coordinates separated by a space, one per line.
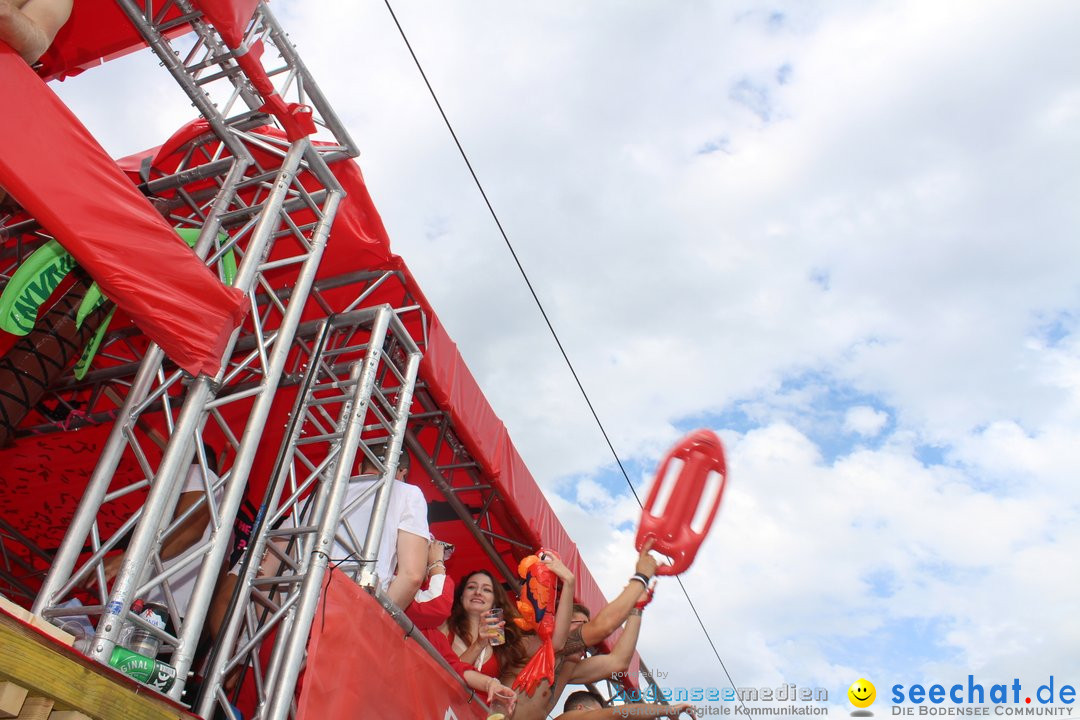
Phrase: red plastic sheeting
pixel 360 664
pixel 42 480
pixel 454 388
pixel 359 241
pixel 98 31
pixel 56 170
pixel 230 17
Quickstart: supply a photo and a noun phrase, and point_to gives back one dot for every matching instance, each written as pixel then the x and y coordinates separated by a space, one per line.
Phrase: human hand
pixel 482 639
pixel 493 629
pixel 683 707
pixel 434 552
pixel 499 693
pixel 552 560
pixel 646 563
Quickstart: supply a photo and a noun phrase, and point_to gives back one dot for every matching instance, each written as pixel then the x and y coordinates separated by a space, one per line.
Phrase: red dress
pixel 490 666
pixel 431 609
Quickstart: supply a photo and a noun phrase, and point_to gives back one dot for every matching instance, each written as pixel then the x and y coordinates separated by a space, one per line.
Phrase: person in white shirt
pixel 403 547
pixel 195 529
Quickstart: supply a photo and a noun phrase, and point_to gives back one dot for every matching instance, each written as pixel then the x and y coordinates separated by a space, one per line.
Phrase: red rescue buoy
pixel 701 454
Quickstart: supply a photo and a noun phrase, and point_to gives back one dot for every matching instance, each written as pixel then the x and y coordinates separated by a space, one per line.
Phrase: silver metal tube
pixel 288 51
pixel 215 43
pixel 269 217
pixel 220 204
pixel 459 508
pixel 249 446
pixel 86 514
pixel 177 457
pixel 382 497
pixel 162 496
pixel 198 98
pixel 281 696
pixel 288 657
pixel 250 567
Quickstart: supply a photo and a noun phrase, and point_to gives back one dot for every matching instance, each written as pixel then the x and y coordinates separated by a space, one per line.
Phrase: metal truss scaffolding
pixel 19 559
pixel 344 404
pixel 246 210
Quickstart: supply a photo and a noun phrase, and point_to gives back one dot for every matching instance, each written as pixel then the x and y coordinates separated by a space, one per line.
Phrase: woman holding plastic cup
pixel 480 627
pixel 465 640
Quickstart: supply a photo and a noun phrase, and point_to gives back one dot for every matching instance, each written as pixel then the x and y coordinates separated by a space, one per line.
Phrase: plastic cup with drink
pixel 501 703
pixel 493 628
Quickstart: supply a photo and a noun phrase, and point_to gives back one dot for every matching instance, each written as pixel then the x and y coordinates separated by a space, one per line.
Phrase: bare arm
pixel 432 604
pixel 599 667
pixel 630 711
pixel 30 30
pixel 478 645
pixel 494 689
pixel 191 530
pixel 186 535
pixel 412 551
pixel 615 613
pixel 565 609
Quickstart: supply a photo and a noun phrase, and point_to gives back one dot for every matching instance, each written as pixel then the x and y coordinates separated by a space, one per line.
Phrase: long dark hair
pixel 511 652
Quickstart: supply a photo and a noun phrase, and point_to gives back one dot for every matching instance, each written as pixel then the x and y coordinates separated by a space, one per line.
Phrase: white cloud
pixel 865 420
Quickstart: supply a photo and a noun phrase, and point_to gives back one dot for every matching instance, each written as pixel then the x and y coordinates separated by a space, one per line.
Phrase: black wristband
pixel 641 578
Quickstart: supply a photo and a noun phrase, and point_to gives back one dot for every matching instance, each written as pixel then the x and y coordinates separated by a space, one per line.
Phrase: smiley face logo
pixel 862 693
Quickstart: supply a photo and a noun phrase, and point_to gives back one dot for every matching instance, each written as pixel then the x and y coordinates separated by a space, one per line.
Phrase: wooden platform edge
pixel 36 661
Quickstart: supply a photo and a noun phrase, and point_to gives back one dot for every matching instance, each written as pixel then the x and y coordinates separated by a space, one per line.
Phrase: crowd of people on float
pixel 488 650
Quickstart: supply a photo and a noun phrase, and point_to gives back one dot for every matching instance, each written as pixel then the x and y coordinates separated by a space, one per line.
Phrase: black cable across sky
pixel 547 320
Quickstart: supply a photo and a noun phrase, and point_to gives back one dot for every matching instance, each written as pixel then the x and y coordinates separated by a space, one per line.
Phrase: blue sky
pixel 841 234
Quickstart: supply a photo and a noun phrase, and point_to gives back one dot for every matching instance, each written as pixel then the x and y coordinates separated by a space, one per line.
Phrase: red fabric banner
pixel 99 31
pixel 56 170
pixel 360 664
pixel 230 17
pixel 96 32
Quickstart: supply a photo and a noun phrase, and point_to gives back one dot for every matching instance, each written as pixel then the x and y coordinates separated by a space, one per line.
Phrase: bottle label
pixel 148 671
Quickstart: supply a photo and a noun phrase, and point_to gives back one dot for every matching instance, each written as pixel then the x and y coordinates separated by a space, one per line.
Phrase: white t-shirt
pixel 407 511
pixel 183 585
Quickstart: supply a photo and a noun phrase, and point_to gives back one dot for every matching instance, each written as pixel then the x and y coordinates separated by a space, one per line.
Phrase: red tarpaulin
pixel 98 31
pixel 56 170
pixel 360 664
pixel 359 241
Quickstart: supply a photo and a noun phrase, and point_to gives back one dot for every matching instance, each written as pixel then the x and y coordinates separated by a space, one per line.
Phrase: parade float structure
pixel 288 342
